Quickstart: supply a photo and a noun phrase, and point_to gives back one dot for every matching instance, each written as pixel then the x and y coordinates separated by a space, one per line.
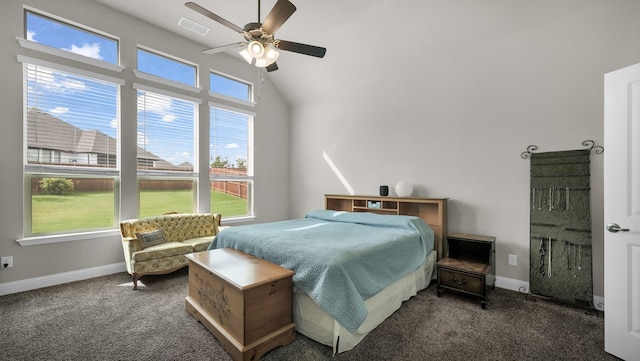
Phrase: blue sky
pixel 168 126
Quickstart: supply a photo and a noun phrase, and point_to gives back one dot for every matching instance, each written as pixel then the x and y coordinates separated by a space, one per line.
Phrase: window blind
pixel 71 122
pixel 167 134
pixel 230 139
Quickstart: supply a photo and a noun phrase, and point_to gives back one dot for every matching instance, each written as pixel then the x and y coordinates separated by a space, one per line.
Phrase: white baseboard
pixel 512 284
pixel 523 287
pixel 60 278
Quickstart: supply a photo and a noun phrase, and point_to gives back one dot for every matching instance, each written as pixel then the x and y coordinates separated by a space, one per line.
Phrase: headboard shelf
pixel 432 210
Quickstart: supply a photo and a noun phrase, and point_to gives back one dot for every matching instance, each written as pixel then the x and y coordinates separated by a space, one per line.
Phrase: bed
pixel 352 270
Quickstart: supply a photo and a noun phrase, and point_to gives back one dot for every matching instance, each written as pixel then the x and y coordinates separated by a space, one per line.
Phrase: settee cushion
pixel 151 238
pixel 163 250
pixel 200 243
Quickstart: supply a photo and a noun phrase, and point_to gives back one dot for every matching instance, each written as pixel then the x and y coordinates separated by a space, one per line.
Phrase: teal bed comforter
pixel 340 259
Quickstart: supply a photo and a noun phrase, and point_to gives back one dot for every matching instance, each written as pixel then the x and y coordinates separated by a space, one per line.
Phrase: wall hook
pixel 530 149
pixel 591 145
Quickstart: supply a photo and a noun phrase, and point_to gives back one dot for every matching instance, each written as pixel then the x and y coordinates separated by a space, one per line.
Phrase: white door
pixel 622 212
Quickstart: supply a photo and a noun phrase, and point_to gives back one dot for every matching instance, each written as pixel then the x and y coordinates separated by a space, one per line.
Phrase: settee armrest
pixel 128 239
pixel 131 244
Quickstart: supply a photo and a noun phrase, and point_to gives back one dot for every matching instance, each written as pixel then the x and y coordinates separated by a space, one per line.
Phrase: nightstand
pixel 469 267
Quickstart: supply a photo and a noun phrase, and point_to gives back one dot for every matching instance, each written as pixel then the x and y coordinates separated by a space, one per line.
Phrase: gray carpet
pixel 104 319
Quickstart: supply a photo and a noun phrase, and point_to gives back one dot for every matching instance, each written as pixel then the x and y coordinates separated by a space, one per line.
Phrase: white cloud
pixel 154 103
pixel 73 84
pixel 31 35
pixel 114 123
pixel 59 110
pixel 90 50
pixel 54 81
pixel 232 146
pixel 168 118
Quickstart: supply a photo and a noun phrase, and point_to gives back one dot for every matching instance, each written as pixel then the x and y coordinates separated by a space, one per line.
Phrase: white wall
pixel 456 91
pixel 35 262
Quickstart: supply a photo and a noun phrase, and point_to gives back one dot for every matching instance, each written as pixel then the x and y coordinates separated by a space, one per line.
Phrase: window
pixel 230 169
pixel 71 153
pixel 167 153
pixel 230 148
pixel 167 68
pixel 224 85
pixel 73 39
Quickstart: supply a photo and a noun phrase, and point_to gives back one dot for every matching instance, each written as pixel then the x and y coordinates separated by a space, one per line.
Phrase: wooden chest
pixel 244 301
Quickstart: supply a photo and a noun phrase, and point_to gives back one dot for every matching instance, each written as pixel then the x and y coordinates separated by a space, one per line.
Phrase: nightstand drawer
pixel 461 281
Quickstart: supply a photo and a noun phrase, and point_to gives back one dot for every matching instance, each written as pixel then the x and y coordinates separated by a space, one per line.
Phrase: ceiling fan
pixel 259 47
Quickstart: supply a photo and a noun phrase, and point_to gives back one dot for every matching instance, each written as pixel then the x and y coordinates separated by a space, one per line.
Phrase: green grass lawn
pixel 93 210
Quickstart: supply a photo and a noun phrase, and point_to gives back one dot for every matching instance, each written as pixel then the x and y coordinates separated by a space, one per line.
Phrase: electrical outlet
pixel 8 260
pixel 513 259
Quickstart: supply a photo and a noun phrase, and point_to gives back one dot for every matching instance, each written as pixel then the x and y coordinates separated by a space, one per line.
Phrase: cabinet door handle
pixel 460 282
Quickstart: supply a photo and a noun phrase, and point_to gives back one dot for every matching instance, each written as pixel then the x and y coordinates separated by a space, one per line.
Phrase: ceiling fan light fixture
pixel 261 63
pixel 246 56
pixel 255 49
pixel 271 54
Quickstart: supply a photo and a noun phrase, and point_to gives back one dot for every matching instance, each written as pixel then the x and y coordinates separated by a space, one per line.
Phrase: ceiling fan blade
pixel 272 67
pixel 280 12
pixel 300 48
pixel 212 16
pixel 220 49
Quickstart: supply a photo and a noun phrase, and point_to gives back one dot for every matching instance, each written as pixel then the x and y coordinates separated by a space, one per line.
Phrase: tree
pixel 241 163
pixel 56 186
pixel 220 162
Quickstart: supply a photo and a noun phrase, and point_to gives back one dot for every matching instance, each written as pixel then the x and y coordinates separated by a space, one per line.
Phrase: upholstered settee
pixel 158 245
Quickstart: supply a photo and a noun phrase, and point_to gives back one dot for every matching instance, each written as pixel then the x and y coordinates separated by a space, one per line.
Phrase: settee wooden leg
pixel 135 282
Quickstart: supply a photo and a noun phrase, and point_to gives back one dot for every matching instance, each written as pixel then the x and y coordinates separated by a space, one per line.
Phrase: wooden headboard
pixel 432 210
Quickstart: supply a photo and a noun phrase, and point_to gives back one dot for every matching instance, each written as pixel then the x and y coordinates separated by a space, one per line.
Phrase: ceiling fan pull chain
pixel 260 83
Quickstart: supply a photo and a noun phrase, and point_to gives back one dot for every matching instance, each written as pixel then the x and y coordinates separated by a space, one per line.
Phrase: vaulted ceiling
pixel 367 41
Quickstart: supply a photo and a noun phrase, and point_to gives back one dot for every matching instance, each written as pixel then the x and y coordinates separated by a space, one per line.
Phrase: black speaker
pixel 384 191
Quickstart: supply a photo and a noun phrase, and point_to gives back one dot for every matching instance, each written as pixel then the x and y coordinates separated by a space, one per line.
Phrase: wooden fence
pixel 232 187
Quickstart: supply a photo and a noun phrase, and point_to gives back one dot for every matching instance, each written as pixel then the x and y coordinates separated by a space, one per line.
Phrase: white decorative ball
pixel 404 189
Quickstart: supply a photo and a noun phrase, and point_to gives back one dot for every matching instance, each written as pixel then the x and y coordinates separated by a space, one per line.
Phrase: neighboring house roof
pixel 48 132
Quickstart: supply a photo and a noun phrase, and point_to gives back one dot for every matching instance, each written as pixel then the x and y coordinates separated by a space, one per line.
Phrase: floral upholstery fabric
pixel 184 233
pixel 162 251
pixel 199 244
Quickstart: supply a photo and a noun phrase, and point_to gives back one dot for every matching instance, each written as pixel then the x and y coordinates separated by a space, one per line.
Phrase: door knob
pixel 614 228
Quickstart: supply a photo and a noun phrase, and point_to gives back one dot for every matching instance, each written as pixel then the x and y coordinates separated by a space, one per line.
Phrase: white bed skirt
pixel 315 323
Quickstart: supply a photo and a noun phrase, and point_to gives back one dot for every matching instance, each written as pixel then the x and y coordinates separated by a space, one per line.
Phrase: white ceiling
pixel 313 23
pixel 371 44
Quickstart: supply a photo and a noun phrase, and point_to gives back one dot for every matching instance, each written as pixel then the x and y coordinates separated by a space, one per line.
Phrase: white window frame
pixel 171 175
pixel 30 170
pixel 64 53
pixel 248 103
pixel 249 178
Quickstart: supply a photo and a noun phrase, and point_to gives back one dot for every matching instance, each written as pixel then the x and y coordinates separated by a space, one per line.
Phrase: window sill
pixel 164 81
pixel 235 220
pixel 232 99
pixel 69 237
